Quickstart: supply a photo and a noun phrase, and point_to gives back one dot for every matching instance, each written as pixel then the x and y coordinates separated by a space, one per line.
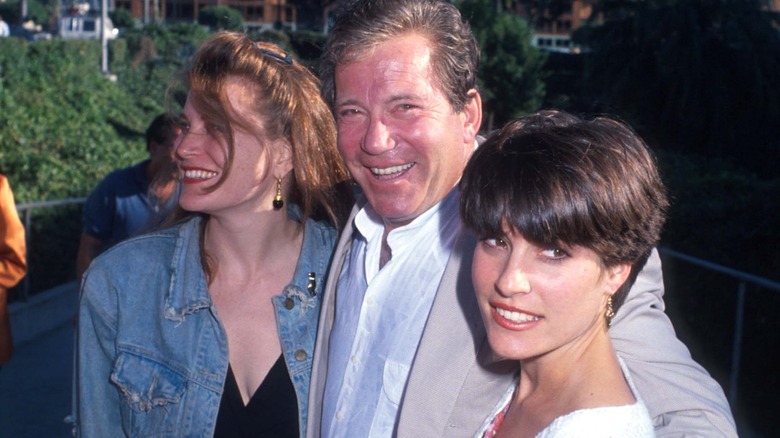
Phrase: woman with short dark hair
pixel 567 211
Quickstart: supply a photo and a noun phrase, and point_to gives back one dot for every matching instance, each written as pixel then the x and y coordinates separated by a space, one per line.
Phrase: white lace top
pixel 628 421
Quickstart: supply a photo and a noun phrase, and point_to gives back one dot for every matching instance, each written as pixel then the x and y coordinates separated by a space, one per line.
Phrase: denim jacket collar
pixel 188 291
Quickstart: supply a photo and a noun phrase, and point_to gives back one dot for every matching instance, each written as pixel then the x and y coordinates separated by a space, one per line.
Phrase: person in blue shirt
pixel 132 199
pixel 206 328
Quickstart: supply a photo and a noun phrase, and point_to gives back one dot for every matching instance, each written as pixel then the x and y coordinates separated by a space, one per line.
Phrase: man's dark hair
pixel 162 130
pixel 363 24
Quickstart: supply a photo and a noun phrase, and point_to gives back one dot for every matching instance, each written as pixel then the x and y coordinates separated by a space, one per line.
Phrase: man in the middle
pixel 401 348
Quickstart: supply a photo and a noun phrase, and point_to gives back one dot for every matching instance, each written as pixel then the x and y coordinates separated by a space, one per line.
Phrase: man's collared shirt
pixel 380 317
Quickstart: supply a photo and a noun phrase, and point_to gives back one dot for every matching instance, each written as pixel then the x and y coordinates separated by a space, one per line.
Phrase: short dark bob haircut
pixel 560 180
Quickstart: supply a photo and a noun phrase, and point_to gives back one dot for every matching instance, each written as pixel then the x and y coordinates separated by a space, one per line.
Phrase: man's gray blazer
pixel 454 381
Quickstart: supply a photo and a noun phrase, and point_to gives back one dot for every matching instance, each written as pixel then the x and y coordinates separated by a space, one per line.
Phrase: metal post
pixel 104 37
pixel 736 351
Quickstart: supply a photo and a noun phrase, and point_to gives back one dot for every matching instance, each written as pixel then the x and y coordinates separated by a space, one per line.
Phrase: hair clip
pixel 286 58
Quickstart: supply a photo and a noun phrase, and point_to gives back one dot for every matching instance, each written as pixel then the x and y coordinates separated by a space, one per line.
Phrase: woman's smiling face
pixel 534 299
pixel 201 154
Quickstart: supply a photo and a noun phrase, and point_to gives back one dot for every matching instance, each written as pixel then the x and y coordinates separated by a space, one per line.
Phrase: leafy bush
pixel 64 126
pixel 221 18
pixel 511 72
pixel 726 215
pixel 60 118
pixel 700 75
pixel 720 213
pixel 36 10
pixel 308 45
pixel 122 18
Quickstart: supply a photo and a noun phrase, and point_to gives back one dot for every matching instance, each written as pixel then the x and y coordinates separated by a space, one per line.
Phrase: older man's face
pixel 400 137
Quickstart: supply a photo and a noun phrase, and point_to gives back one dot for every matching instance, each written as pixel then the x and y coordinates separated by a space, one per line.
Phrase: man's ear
pixel 472 116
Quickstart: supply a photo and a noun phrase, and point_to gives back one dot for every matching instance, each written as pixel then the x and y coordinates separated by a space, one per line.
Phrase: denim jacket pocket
pixel 152 393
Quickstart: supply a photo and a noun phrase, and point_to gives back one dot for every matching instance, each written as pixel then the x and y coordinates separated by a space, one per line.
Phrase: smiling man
pixel 401 349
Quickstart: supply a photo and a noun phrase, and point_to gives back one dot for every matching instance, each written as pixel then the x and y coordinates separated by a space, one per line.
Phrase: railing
pixel 744 279
pixel 25 212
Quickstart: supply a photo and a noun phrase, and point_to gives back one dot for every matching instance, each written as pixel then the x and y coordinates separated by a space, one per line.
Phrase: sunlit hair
pixel 288 101
pixel 558 180
pixel 363 24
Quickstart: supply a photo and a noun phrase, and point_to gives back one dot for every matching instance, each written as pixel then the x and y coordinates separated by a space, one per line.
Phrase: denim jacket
pixel 152 354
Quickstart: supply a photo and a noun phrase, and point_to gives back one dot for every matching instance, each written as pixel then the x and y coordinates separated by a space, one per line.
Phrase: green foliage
pixel 155 56
pixel 700 80
pixel 122 18
pixel 539 11
pixel 64 126
pixel 720 213
pixel 511 74
pixel 701 75
pixel 10 12
pixel 308 45
pixel 729 216
pixel 221 18
pixel 36 10
pixel 57 112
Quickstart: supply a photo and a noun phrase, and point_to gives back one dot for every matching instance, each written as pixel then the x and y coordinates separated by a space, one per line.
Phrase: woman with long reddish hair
pixel 206 328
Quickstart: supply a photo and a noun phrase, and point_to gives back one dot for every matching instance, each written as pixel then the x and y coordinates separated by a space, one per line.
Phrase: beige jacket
pixel 454 383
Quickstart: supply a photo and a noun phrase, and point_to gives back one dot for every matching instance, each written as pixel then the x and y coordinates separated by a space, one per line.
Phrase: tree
pixel 221 18
pixel 538 11
pixel 701 76
pixel 511 76
pixel 36 11
pixel 122 18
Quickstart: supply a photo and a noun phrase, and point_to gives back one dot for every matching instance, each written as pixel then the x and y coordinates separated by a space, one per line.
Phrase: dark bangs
pixel 528 182
pixel 560 180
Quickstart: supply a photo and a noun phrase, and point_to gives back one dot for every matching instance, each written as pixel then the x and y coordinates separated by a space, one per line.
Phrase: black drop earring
pixel 278 202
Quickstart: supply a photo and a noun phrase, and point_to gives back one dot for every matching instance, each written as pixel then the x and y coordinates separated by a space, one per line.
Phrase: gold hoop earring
pixel 610 313
pixel 278 201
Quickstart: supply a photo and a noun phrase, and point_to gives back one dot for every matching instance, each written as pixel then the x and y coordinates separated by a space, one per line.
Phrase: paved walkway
pixel 35 386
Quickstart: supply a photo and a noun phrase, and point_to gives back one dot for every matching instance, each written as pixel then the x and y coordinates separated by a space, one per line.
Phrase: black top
pixel 271 412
